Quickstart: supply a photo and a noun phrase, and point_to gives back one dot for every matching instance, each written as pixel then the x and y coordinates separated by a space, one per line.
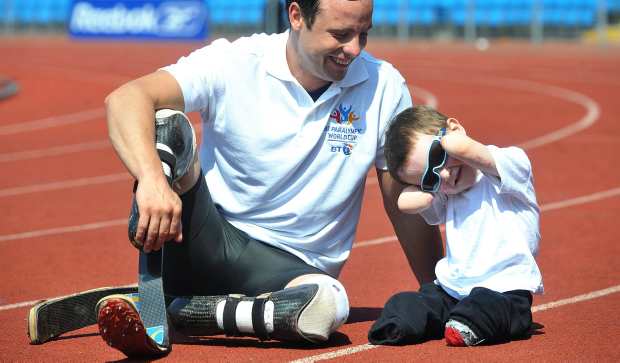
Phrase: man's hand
pixel 160 214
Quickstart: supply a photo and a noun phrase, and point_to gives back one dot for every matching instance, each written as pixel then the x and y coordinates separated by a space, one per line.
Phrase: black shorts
pixel 216 258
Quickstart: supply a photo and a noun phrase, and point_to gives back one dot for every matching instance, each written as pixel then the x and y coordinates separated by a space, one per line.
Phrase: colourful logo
pixel 156 333
pixel 344 115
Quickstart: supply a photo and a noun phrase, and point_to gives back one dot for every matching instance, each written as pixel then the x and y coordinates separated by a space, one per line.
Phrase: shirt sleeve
pixel 514 169
pixel 404 101
pixel 436 213
pixel 199 74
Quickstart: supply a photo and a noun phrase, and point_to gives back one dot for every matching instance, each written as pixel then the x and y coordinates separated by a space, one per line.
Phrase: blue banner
pixel 144 19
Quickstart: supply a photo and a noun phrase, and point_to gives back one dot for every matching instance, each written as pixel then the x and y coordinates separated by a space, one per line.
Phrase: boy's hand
pixel 456 143
pixel 471 152
pixel 412 200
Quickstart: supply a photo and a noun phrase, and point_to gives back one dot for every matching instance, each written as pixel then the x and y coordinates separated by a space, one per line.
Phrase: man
pixel 292 123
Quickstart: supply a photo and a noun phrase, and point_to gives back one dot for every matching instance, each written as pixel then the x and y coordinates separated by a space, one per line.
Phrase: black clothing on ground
pixel 415 317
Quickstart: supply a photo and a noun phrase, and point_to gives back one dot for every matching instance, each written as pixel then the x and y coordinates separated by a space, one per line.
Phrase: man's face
pixel 338 35
pixel 455 175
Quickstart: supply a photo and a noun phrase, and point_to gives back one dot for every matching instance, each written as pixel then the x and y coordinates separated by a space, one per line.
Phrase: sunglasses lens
pixel 436 159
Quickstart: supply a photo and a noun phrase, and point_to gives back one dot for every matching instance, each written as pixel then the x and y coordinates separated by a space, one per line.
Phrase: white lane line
pixel 19 305
pixel 63 230
pixel 376 241
pixel 53 151
pixel 53 121
pixel 429 98
pixel 372 242
pixel 336 353
pixel 537 308
pixel 60 230
pixel 34 188
pixel 592 110
pixel 581 200
pixel 33 302
pixel 61 150
pixel 576 299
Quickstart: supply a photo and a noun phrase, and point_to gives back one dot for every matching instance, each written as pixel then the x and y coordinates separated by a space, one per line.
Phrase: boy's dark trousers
pixel 414 317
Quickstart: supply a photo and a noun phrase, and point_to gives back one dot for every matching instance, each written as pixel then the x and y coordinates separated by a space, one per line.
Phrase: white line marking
pixel 581 200
pixel 592 110
pixel 337 353
pixel 576 299
pixel 429 98
pixel 53 121
pixel 60 150
pixel 53 151
pixel 18 305
pixel 62 230
pixel 59 230
pixel 591 106
pixel 34 188
pixel 33 302
pixel 376 241
pixel 537 308
pixel 373 242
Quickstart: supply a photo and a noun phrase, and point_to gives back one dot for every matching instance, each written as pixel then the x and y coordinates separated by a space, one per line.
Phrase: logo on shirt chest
pixel 341 131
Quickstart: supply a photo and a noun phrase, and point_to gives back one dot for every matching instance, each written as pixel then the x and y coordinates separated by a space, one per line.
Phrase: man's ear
pixel 294 16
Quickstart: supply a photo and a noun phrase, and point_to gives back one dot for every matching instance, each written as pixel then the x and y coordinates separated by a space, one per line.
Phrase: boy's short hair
pixel 400 137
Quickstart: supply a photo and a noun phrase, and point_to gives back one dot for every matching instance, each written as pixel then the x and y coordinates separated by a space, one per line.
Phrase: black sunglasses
pixel 431 181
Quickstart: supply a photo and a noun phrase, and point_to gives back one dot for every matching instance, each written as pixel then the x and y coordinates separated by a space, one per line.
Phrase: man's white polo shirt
pixel 285 169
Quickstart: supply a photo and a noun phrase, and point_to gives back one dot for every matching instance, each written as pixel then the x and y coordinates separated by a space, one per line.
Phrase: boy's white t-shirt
pixel 281 167
pixel 492 230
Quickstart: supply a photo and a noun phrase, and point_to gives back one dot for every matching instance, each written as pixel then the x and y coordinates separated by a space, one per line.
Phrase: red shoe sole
pixel 121 328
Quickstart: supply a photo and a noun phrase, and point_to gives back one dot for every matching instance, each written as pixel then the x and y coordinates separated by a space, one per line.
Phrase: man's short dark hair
pixel 400 137
pixel 309 10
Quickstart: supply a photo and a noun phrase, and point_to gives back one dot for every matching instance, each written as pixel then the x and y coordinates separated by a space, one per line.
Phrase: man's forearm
pixel 130 116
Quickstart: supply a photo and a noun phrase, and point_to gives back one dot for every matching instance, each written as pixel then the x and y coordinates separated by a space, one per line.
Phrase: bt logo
pixel 345 149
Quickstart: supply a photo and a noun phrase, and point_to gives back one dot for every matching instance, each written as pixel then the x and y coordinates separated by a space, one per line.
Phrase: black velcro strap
pixel 230 319
pixel 258 318
pixel 169 159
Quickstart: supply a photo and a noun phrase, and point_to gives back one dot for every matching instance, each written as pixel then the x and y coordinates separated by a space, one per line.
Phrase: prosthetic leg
pixel 307 312
pixel 121 324
pixel 175 141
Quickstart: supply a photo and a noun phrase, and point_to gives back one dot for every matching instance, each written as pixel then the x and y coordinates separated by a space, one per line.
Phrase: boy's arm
pixel 469 151
pixel 412 200
pixel 420 242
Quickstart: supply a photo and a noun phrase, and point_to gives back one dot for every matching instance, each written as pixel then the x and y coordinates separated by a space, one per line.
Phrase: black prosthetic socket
pixel 176 133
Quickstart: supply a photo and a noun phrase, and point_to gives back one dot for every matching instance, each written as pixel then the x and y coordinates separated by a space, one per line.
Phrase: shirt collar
pixel 277 66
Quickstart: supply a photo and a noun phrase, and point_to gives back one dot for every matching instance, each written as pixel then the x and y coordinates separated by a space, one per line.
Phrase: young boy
pixel 485 196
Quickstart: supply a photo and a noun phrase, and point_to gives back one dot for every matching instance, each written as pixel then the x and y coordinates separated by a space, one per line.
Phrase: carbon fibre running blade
pixel 51 318
pixel 153 305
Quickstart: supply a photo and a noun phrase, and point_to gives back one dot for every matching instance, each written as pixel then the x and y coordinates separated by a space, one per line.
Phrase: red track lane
pixel 485 90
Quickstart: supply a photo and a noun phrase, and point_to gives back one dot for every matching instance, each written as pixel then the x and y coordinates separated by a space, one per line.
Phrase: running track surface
pixel 65 195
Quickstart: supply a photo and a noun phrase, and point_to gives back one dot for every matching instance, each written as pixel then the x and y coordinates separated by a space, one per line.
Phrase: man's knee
pixel 326 311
